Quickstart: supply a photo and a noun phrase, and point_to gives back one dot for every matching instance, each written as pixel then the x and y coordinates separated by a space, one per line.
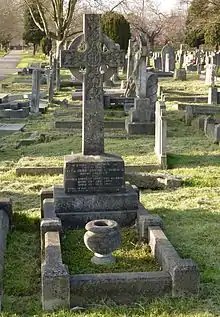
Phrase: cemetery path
pixel 8 63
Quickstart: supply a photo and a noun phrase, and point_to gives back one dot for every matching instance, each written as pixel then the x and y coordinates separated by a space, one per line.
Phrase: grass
pixel 190 213
pixel 27 58
pixel 133 255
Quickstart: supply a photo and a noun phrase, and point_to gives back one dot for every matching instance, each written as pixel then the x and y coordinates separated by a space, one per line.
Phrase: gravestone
pixel 167 49
pixel 130 60
pixel 94 182
pixel 35 97
pixel 51 85
pixel 161 134
pixel 180 73
pixel 141 117
pixel 210 76
pixel 11 127
pixel 213 96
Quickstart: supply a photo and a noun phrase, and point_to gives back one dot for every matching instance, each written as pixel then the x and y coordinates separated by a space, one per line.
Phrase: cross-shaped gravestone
pixel 91 59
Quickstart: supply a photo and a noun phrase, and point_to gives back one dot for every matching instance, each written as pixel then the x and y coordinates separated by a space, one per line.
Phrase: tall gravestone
pixel 168 53
pixel 210 74
pixel 35 96
pixel 94 183
pixel 130 61
pixel 180 73
pixel 141 117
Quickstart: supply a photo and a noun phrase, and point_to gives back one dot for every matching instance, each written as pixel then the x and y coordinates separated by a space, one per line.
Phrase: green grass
pixel 133 255
pixel 2 53
pixel 190 213
pixel 27 58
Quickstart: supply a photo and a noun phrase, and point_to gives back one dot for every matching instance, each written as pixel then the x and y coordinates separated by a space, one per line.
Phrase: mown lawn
pixel 190 214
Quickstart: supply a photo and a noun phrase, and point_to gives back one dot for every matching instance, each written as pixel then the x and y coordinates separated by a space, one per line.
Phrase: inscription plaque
pixel 93 177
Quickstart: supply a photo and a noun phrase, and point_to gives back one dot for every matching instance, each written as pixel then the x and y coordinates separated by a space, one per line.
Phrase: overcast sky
pixel 167 5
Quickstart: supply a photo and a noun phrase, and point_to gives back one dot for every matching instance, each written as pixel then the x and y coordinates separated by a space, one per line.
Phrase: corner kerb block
pixel 185 279
pixel 55 286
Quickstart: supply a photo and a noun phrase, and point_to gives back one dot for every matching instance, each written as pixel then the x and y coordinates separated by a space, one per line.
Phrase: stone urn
pixel 102 238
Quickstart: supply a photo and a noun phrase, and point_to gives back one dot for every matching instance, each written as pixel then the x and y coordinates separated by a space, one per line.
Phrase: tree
pixel 10 11
pixel 117 28
pixel 46 45
pixel 203 20
pixel 32 34
pixel 56 17
pixel 146 17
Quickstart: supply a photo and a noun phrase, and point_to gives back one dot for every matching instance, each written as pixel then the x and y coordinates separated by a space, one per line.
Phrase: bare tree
pixel 56 17
pixel 146 17
pixel 9 11
pixel 59 17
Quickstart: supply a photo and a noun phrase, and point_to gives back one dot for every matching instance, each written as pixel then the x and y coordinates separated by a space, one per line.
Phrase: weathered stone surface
pixel 153 181
pixel 140 121
pixel 83 202
pixel 213 96
pixel 180 74
pixel 210 77
pixel 140 127
pixel 185 278
pixel 161 134
pixel 35 97
pixel 93 174
pixel 102 238
pixel 91 59
pixel 168 51
pixel 54 275
pixel 5 222
pixel 184 273
pixel 122 288
pixel 146 220
pixel 11 127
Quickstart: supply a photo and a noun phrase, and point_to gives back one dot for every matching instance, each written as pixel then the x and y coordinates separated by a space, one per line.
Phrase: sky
pixel 167 5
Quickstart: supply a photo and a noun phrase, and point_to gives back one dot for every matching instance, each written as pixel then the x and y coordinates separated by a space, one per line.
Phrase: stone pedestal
pixel 141 120
pixel 35 96
pixel 213 96
pixel 94 188
pixel 180 74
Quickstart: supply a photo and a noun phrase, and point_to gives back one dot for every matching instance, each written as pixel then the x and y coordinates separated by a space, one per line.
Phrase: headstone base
pixel 93 202
pixel 180 74
pixel 139 127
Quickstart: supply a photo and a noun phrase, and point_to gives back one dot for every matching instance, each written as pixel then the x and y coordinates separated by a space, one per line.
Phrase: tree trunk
pixel 34 49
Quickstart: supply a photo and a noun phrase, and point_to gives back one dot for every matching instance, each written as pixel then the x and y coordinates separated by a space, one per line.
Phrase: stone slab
pixel 11 127
pixel 14 114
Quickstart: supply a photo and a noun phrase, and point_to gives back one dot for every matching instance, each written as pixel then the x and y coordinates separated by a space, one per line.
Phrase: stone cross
pixel 91 59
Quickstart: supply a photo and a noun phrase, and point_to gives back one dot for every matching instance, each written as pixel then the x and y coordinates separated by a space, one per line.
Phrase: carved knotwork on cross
pixel 92 59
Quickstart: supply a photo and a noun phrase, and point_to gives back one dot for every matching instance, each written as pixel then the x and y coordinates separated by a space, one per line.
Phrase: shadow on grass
pixel 22 266
pixel 183 160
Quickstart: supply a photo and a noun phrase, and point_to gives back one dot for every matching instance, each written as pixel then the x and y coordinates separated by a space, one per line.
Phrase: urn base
pixel 103 259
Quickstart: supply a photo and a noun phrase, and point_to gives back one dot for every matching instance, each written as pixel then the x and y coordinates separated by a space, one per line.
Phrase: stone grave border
pixel 5 223
pixel 191 111
pixel 179 277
